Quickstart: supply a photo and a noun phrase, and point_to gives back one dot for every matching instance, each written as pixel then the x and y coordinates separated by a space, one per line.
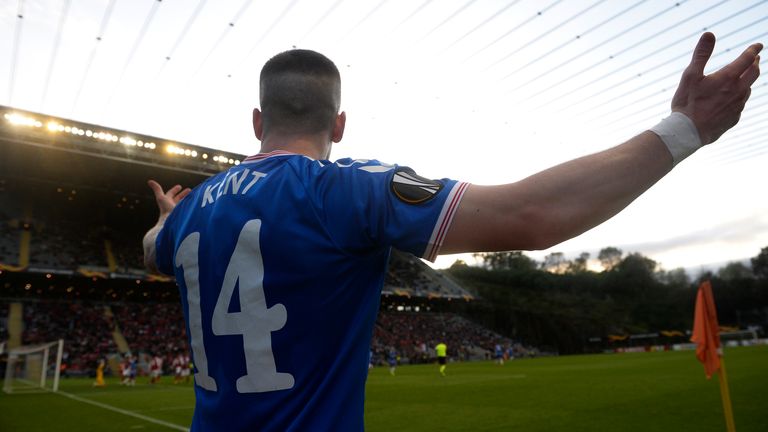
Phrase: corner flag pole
pixel 706 334
pixel 725 395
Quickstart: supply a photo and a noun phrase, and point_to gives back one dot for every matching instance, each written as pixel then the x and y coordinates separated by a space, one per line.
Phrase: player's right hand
pixel 714 102
pixel 166 201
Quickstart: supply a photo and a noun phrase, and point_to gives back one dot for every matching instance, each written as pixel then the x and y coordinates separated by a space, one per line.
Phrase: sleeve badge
pixel 412 188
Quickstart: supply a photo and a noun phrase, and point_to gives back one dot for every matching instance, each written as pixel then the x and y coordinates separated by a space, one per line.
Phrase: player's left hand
pixel 714 102
pixel 166 201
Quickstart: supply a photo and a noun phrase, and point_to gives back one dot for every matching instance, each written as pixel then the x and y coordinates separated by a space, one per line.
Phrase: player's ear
pixel 258 125
pixel 338 127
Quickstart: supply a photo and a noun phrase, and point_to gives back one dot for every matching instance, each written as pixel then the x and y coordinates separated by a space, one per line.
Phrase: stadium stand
pixel 3 322
pixel 73 208
pixel 414 335
pixel 409 276
pixel 156 328
pixel 90 331
pixel 84 326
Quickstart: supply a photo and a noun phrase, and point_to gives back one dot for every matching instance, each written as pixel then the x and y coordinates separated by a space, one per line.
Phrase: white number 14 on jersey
pixel 255 321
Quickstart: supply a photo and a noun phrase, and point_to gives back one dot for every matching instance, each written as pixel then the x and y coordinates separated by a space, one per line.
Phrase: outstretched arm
pixel 166 201
pixel 566 200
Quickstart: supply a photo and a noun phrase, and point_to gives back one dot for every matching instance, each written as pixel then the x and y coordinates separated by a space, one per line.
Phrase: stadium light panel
pixel 22 120
pixel 205 155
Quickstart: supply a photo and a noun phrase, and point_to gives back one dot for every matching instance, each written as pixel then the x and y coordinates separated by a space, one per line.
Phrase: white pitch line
pixel 124 412
pixel 172 408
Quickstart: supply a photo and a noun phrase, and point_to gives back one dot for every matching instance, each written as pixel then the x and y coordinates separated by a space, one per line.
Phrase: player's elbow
pixel 148 244
pixel 149 264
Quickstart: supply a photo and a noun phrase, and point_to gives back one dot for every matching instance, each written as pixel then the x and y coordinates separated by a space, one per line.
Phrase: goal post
pixel 739 338
pixel 33 368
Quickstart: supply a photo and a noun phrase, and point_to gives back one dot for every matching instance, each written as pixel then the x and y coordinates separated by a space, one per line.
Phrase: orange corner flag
pixel 706 330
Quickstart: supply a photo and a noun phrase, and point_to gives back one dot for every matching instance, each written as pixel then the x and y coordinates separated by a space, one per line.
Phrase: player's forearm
pixel 558 203
pixel 150 253
pixel 573 197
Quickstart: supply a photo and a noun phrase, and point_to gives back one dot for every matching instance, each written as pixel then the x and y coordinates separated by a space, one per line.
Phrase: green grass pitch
pixel 627 392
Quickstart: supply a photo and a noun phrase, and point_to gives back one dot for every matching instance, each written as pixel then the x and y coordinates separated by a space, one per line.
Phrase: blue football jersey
pixel 280 263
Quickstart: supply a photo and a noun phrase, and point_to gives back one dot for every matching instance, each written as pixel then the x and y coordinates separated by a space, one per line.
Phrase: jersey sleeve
pixel 368 204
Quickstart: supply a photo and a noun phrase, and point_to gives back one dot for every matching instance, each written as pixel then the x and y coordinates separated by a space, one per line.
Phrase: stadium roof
pixel 57 135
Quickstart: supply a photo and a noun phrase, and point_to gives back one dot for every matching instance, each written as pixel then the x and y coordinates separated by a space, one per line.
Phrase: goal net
pixel 739 338
pixel 32 368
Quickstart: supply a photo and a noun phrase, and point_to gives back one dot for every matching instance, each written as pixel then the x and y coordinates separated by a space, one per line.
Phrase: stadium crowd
pixel 62 236
pixel 84 282
pixel 85 327
pixel 89 328
pixel 413 335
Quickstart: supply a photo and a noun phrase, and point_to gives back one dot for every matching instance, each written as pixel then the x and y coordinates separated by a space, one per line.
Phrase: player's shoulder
pixel 370 166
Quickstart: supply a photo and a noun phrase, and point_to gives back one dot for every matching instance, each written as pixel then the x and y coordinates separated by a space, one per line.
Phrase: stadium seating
pixel 410 277
pixel 414 335
pixel 71 259
pixel 85 328
pixel 91 331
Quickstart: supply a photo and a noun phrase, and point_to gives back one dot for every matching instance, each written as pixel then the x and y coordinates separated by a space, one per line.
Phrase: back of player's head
pixel 300 93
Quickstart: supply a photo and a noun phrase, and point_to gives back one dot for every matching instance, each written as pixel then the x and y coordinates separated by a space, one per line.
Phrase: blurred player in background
pixel 179 365
pixel 498 353
pixel 125 370
pixel 442 354
pixel 286 253
pixel 155 369
pixel 392 360
pixel 132 370
pixel 187 370
pixel 100 374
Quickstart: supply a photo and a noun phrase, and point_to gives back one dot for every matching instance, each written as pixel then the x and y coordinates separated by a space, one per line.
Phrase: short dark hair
pixel 300 92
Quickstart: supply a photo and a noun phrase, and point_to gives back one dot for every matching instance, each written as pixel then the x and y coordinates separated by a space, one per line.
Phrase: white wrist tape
pixel 680 136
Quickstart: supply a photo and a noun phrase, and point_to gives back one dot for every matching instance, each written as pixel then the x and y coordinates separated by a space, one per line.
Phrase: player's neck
pixel 312 146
